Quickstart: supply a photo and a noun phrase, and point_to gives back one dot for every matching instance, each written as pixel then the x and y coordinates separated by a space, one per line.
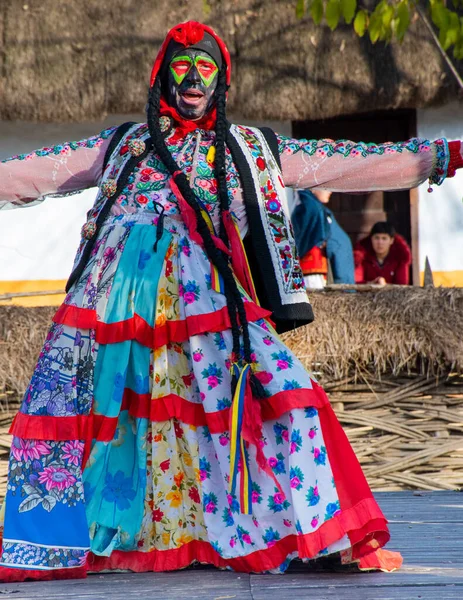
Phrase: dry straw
pixel 390 331
pixel 284 68
pixel 389 360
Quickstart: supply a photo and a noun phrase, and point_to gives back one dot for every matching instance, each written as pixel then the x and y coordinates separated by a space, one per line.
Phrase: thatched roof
pixel 390 331
pixel 73 60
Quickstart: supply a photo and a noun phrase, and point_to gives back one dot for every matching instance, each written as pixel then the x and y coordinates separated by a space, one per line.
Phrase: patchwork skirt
pixel 121 450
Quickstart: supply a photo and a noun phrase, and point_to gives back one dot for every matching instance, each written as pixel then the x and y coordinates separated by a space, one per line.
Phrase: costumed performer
pixel 166 422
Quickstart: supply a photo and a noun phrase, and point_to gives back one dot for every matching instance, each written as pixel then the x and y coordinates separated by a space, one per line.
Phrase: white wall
pixel 441 212
pixel 37 244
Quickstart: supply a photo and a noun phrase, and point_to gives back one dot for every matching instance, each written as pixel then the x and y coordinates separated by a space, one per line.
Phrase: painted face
pixel 192 80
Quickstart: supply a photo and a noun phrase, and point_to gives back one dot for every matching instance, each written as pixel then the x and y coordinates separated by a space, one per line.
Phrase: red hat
pixel 187 35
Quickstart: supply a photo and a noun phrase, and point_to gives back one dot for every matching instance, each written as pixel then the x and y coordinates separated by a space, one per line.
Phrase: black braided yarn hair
pixel 235 304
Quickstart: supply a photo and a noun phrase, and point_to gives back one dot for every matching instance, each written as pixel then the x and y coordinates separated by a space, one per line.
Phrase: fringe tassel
pixel 246 430
pixel 238 456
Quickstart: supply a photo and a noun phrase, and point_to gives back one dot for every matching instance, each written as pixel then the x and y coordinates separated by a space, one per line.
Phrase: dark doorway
pixel 357 213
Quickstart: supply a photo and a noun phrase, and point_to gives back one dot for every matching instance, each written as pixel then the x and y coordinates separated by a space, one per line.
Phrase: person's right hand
pixel 379 281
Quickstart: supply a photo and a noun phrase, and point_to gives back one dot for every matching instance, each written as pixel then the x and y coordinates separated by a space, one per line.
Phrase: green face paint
pixel 180 66
pixel 191 82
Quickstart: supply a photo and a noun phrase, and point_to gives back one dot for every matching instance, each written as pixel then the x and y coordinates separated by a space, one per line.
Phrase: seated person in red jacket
pixel 382 257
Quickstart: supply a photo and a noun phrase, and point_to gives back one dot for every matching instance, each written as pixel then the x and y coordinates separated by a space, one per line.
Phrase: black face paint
pixel 191 82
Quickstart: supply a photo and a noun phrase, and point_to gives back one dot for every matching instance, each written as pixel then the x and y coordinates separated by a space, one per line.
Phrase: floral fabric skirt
pixel 123 433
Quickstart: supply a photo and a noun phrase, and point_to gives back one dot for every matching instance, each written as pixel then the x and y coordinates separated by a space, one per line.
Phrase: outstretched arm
pixel 59 170
pixel 345 166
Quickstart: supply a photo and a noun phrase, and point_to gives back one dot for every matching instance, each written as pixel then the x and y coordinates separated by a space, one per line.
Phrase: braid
pixel 220 145
pixel 235 302
pixel 221 175
pixel 213 253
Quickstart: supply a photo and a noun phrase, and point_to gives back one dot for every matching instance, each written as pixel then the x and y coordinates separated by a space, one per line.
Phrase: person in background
pixel 319 239
pixel 382 257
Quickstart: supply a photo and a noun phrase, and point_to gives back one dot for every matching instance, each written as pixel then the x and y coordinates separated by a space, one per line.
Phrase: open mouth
pixel 192 96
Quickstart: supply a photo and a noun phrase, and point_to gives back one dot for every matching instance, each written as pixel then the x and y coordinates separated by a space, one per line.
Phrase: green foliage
pixel 389 19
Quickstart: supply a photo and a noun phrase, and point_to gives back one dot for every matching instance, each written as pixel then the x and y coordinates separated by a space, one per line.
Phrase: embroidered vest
pixel 270 244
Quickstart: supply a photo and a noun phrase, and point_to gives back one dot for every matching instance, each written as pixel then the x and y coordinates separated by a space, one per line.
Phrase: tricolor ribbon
pixel 239 460
pixel 217 283
pixel 246 430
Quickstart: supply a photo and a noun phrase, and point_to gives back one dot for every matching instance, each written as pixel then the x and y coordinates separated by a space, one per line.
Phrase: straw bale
pixel 393 330
pixel 22 333
pixel 284 68
pixel 388 359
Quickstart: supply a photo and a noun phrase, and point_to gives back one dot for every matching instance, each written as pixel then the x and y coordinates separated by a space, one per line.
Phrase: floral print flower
pixel 281 433
pixel 193 493
pixel 178 479
pixel 277 463
pixel 313 496
pixel 277 502
pixel 198 355
pixel 213 374
pixel 270 537
pixel 178 430
pixel 219 341
pixel 119 489
pixel 273 205
pixel 310 412
pixel 191 291
pixel 227 517
pixel 157 515
pixel 184 538
pixel 291 385
pixel 73 452
pixel 296 441
pixel 56 477
pixel 296 478
pixel 223 403
pixel 165 465
pixel 175 498
pixel 332 509
pixel 243 536
pixel 210 503
pixel 319 455
pixel 256 494
pixel 24 450
pixel 204 469
pixel 233 503
pixel 283 359
pixel 184 246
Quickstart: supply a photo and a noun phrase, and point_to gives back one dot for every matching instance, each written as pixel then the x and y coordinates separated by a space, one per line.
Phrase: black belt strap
pixel 272 141
pixel 116 138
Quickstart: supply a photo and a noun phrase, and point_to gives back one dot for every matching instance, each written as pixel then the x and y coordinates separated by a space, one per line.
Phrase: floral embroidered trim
pixel 441 161
pixel 20 554
pixel 65 149
pixel 328 148
pixel 278 223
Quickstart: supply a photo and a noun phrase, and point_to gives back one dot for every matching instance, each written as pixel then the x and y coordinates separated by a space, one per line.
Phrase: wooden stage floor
pixel 427 527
